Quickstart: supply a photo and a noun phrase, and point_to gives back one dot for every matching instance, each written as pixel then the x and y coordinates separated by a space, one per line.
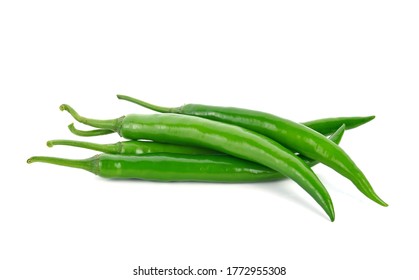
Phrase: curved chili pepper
pixel 288 133
pixel 229 139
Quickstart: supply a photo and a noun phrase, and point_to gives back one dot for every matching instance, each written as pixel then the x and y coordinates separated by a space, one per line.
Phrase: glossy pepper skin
pixel 167 167
pixel 229 139
pixel 292 135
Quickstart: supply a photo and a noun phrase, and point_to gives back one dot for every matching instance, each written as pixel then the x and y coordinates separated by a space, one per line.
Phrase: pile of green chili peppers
pixel 217 144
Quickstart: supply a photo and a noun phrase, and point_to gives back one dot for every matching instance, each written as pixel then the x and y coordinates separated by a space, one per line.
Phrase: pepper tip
pixel 370 118
pixel 330 211
pixel 380 201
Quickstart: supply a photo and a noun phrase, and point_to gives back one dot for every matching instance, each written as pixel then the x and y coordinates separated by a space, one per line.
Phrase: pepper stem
pixel 112 124
pixel 104 148
pixel 148 105
pixel 88 133
pixel 89 164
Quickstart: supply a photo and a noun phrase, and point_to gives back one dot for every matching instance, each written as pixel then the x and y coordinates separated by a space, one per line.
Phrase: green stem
pixel 89 164
pixel 88 133
pixel 105 148
pixel 112 124
pixel 148 105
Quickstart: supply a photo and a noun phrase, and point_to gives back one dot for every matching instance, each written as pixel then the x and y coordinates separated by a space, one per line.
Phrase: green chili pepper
pixel 288 133
pixel 151 164
pixel 229 139
pixel 170 167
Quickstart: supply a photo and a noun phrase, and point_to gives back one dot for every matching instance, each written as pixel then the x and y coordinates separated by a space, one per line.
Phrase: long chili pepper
pixel 229 139
pixel 288 133
pixel 170 167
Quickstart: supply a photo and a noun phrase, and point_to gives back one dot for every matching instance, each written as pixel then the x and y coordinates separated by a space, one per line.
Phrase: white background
pixel 302 60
